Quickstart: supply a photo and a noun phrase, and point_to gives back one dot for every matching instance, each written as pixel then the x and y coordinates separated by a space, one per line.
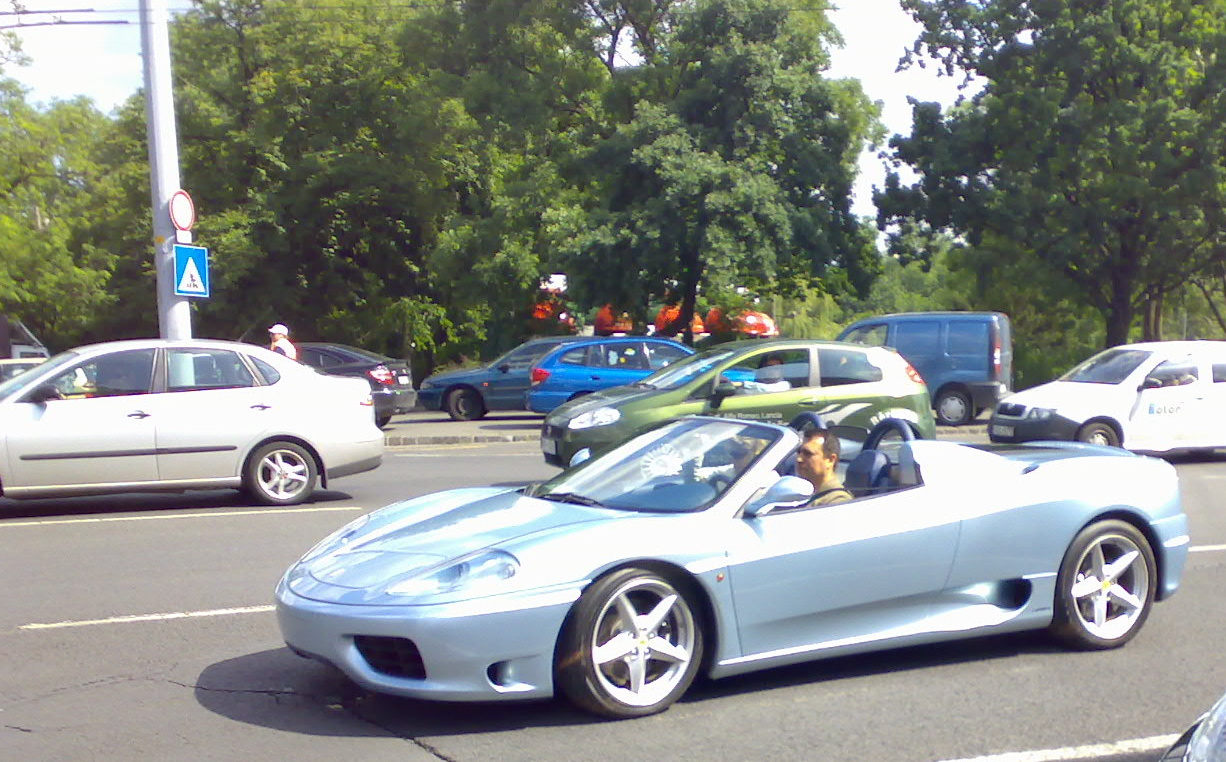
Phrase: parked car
pixel 470 393
pixel 391 380
pixel 623 578
pixel 10 368
pixel 161 415
pixel 575 369
pixel 1204 741
pixel 1158 397
pixel 852 387
pixel 965 358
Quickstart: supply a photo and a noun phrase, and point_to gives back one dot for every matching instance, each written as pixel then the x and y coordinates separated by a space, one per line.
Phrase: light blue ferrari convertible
pixel 693 549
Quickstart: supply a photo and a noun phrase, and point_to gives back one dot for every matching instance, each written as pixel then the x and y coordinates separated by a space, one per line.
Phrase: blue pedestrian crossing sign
pixel 191 271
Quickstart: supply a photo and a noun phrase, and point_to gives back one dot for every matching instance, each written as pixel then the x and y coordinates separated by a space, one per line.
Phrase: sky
pixel 103 61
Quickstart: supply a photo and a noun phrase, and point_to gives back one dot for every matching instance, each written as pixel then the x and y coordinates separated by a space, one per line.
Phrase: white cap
pixel 279 328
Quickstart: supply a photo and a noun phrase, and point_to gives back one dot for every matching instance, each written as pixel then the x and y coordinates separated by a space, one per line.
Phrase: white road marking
pixel 1094 751
pixel 1207 548
pixel 147 618
pixel 222 513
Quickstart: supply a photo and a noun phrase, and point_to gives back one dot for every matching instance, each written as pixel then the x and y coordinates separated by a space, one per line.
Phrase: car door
pixel 1169 406
pixel 617 363
pixel 509 377
pixel 840 574
pixel 212 413
pixel 102 432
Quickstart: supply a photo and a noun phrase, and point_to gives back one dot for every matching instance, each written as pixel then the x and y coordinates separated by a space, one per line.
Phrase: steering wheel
pixel 885 428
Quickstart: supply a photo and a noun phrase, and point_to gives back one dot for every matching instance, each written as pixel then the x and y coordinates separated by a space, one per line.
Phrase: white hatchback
pixel 166 415
pixel 1155 397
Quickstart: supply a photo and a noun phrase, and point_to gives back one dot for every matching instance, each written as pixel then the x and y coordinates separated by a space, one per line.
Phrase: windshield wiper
pixel 571 497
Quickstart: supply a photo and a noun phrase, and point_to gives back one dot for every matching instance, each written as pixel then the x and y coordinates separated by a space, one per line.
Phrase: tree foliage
pixel 1095 145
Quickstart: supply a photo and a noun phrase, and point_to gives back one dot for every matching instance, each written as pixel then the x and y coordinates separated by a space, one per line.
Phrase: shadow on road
pixel 151 502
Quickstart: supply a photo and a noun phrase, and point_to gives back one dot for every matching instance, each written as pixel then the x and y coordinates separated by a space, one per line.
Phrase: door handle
pixel 261 406
pixel 138 414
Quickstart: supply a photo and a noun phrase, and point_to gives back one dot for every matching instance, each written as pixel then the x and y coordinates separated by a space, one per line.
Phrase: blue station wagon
pixel 580 368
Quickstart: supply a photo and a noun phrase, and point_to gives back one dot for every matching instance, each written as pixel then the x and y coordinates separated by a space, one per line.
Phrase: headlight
pixel 476 572
pixel 1209 739
pixel 1040 413
pixel 601 416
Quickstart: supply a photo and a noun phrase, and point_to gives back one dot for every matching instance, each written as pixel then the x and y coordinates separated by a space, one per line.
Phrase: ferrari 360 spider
pixel 692 548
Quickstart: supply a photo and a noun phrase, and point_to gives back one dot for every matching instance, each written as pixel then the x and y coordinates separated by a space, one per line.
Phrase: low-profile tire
pixel 953 408
pixel 1105 588
pixel 382 420
pixel 1098 433
pixel 464 405
pixel 631 646
pixel 280 473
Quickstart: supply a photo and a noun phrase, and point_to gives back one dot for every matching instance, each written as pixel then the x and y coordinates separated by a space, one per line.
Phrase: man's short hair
pixel 830 442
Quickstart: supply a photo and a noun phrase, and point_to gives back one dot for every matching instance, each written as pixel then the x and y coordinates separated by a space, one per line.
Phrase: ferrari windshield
pixel 683 466
pixel 683 371
pixel 1109 367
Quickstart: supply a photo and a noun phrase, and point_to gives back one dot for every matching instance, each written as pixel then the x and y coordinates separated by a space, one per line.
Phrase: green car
pixel 851 386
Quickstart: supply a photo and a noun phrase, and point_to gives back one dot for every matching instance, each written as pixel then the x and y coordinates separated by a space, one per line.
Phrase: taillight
pixel 996 358
pixel 538 376
pixel 914 375
pixel 382 375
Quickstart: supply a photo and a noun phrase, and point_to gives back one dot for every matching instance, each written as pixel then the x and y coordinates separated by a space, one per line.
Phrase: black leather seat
pixel 868 473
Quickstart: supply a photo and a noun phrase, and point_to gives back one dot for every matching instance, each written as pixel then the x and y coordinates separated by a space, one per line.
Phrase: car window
pixel 659 355
pixel 967 338
pixel 920 337
pixel 1173 373
pixel 683 371
pixel 774 371
pixel 195 369
pixel 576 356
pixel 846 366
pixel 624 356
pixel 1111 366
pixel 271 375
pixel 1219 373
pixel 523 356
pixel 316 358
pixel 683 466
pixel 111 375
pixel 872 335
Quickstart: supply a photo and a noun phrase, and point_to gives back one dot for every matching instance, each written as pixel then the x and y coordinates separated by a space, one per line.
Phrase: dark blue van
pixel 965 358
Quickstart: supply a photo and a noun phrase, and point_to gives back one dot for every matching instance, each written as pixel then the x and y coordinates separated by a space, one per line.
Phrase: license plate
pixel 1002 431
pixel 402 379
pixel 549 447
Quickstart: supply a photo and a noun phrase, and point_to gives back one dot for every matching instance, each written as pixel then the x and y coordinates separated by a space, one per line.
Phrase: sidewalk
pixel 429 427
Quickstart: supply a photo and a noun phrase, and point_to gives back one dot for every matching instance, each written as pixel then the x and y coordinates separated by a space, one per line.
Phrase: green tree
pixel 51 277
pixel 1095 146
pixel 733 166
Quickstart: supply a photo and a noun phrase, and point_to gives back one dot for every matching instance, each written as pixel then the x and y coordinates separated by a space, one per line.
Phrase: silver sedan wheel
pixel 281 473
pixel 632 647
pixel 1106 586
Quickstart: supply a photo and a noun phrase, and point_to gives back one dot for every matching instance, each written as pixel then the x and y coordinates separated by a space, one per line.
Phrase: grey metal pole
pixel 174 312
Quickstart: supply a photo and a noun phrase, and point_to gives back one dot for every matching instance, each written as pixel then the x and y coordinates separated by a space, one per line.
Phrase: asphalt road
pixel 140 628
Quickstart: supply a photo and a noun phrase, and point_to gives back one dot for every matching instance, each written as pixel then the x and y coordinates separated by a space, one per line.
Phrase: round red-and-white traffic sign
pixel 182 210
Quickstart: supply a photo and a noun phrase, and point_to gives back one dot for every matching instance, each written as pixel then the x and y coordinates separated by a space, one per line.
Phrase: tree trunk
pixel 1119 318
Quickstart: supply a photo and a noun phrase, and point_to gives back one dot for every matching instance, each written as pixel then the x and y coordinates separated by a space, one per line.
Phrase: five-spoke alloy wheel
pixel 1105 588
pixel 631 647
pixel 280 473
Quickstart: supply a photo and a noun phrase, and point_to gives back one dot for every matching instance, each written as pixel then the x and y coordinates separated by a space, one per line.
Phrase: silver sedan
pixel 157 414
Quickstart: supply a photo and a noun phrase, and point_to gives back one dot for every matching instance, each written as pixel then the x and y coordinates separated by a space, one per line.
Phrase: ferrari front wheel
pixel 631 647
pixel 1105 587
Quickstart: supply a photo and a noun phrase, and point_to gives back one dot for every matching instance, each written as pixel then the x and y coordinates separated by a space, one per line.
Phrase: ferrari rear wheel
pixel 631 647
pixel 1105 588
